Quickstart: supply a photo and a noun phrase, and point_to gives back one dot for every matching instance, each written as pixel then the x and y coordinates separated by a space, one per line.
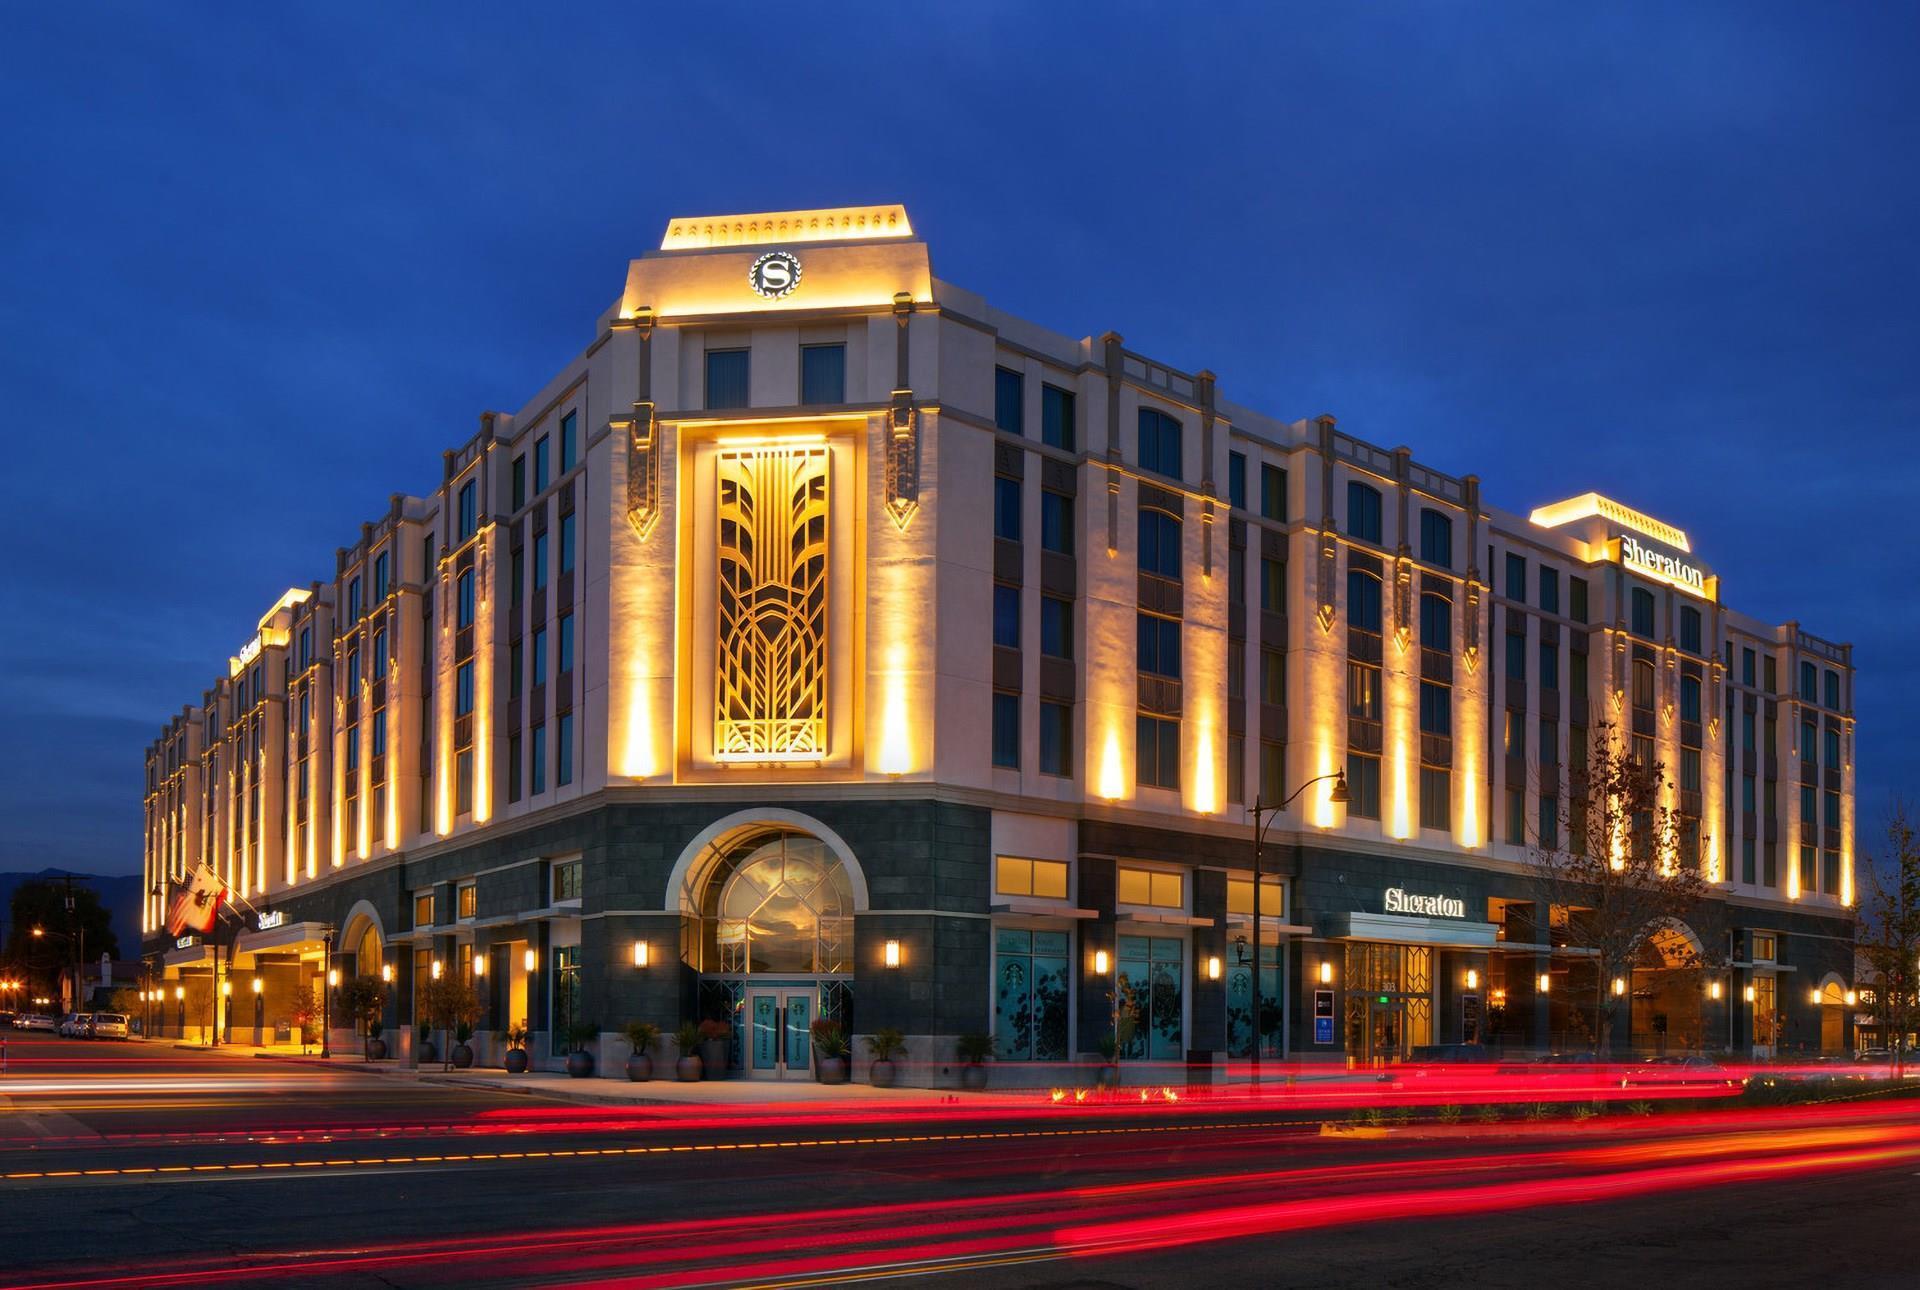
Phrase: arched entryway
pixel 1830 998
pixel 767 904
pixel 1669 1013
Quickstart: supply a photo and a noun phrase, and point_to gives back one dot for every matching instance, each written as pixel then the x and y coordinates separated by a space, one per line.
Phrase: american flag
pixel 196 904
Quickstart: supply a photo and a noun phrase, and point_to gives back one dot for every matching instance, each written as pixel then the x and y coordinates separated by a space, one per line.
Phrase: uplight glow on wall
pixel 1113 784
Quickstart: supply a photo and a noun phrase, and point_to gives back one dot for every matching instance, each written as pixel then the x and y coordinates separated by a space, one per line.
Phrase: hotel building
pixel 822 641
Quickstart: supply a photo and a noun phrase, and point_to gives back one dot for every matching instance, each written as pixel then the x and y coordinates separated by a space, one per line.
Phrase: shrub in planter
pixel 376 1049
pixel 446 1004
pixel 974 1050
pixel 885 1044
pixel 714 1038
pixel 640 1038
pixel 426 1051
pixel 687 1039
pixel 363 1000
pixel 579 1060
pixel 516 1061
pixel 829 1051
pixel 462 1054
pixel 1108 1076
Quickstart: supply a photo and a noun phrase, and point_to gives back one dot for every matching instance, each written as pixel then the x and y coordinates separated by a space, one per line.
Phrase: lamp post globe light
pixel 1336 795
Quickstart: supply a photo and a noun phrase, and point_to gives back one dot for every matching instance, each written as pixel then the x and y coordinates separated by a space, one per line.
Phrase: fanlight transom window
pixel 775 901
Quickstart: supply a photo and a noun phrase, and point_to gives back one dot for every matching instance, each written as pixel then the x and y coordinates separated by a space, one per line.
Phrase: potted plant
pixel 516 1060
pixel 364 1000
pixel 687 1040
pixel 974 1051
pixel 579 1060
pixel 450 1005
pixel 714 1035
pixel 829 1051
pixel 462 1054
pixel 885 1044
pixel 1108 1076
pixel 304 1013
pixel 640 1038
pixel 428 1053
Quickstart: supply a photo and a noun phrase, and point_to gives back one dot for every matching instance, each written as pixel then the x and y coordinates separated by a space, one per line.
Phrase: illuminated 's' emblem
pixel 775 274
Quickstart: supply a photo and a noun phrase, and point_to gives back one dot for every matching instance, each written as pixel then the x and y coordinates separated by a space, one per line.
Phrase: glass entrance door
pixel 779 1034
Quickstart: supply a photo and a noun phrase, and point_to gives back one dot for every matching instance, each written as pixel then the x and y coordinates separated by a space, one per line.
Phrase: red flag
pixel 197 904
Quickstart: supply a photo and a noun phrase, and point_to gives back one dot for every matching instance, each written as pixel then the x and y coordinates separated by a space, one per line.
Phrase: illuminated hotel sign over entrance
pixel 1404 902
pixel 1651 561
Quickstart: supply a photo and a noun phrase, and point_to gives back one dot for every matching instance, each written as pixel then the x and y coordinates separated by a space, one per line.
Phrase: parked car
pixel 109 1025
pixel 77 1025
pixel 8 1017
pixel 1448 1054
pixel 36 1021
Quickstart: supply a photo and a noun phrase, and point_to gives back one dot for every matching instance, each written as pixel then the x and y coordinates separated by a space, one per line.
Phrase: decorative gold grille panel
pixel 770 679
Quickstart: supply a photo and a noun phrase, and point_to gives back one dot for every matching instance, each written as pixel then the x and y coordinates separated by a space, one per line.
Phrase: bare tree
pixel 1629 870
pixel 1890 928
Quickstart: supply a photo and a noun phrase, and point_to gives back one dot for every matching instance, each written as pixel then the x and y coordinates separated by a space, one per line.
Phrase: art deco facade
pixel 822 640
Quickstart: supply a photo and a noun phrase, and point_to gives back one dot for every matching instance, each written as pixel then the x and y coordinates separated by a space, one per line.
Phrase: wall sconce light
pixel 642 954
pixel 1747 994
pixel 480 964
pixel 226 989
pixel 1852 998
pixel 1713 989
pixel 891 954
pixel 386 973
pixel 1100 962
pixel 1619 986
pixel 179 991
pixel 1326 971
pixel 1545 983
pixel 1813 996
pixel 530 960
pixel 1213 967
pixel 1473 979
pixel 258 985
pixel 333 976
pixel 436 969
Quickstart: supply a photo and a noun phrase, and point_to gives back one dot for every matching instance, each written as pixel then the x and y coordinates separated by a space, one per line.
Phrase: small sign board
pixel 1470 1018
pixel 1323 1016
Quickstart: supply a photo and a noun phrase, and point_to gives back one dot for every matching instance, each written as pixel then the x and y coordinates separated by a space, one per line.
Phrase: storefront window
pixel 1240 1001
pixel 1149 984
pixel 1030 1000
pixel 566 995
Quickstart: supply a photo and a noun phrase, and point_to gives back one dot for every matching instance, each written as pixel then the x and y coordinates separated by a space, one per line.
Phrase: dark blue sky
pixel 258 272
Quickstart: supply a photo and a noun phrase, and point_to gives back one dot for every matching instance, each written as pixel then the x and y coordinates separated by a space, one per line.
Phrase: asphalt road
pixel 137 1164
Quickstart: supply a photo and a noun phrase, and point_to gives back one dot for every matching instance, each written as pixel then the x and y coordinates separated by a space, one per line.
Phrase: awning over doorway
pixel 282 937
pixel 1408 929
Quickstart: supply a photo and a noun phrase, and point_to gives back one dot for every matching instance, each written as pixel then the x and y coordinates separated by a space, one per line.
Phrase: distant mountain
pixel 119 892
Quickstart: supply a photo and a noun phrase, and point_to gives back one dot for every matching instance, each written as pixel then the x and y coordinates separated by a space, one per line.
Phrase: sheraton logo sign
pixel 1407 902
pixel 775 274
pixel 1662 566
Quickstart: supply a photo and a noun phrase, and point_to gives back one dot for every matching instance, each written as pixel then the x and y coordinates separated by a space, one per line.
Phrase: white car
pixel 109 1025
pixel 77 1025
pixel 34 1021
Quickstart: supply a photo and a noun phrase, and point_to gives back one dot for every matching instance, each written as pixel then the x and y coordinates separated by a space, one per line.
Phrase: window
pixel 468 897
pixel 354 608
pixel 1765 947
pixel 1363 511
pixel 1363 785
pixel 306 648
pixel 727 378
pixel 463 600
pixel 1549 590
pixel 1147 982
pixel 463 689
pixel 1030 995
pixel 1273 585
pixel 1690 770
pixel 1514 732
pixel 1273 491
pixel 353 671
pixel 1516 817
pixel 1056 417
pixel 563 750
pixel 1516 577
pixel 1436 709
pixel 469 512
pixel 1273 771
pixel 1690 629
pixel 540 656
pixel 569 441
pixel 519 481
pixel 1009 400
pixel 1006 616
pixel 1830 743
pixel 379 733
pixel 1056 627
pixel 566 996
pixel 1056 738
pixel 1771 671
pixel 1809 690
pixel 539 561
pixel 1436 798
pixel 1549 821
pixel 423 910
pixel 1006 730
pixel 517 576
pixel 1157 751
pixel 566 543
pixel 1150 887
pixel 1549 666
pixel 1746 667
pixel 1159 645
pixel 566 881
pixel 1831 819
pixel 1056 522
pixel 541 475
pixel 513 767
pixel 1363 601
pixel 1273 678
pixel 1690 698
pixel 1436 621
pixel 1748 872
pixel 1436 538
pixel 382 582
pixel 1159 543
pixel 1516 657
pixel 1809 735
pixel 1237 480
pixel 1006 508
pixel 1577 599
pixel 1642 612
pixel 823 374
pixel 1273 897
pixel 1159 443
pixel 1642 683
pixel 564 658
pixel 1041 879
pixel 1832 693
pixel 537 763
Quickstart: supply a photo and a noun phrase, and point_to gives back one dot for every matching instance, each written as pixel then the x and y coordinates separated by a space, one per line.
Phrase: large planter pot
pixel 462 1056
pixel 428 1053
pixel 516 1062
pixel 881 1074
pixel 639 1067
pixel 831 1070
pixel 1107 1076
pixel 376 1049
pixel 687 1069
pixel 713 1058
pixel 973 1076
pixel 580 1064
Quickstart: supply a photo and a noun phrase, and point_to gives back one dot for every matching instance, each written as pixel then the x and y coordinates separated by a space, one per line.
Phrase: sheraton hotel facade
pixel 822 641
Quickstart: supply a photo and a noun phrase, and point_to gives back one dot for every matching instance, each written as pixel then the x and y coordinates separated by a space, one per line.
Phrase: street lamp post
pixel 1338 795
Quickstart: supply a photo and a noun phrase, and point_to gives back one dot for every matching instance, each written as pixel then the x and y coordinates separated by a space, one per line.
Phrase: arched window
pixel 1363 511
pixel 773 900
pixel 1363 601
pixel 1642 683
pixel 1159 542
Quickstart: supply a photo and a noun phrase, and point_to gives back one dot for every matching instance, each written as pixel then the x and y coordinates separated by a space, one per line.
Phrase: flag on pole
pixel 196 904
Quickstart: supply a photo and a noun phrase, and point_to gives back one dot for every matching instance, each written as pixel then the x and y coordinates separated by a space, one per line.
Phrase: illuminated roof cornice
pixel 1589 505
pixel 839 224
